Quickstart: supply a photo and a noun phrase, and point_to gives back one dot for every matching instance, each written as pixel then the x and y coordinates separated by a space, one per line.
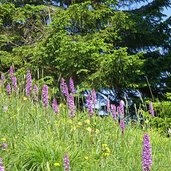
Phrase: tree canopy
pixel 99 43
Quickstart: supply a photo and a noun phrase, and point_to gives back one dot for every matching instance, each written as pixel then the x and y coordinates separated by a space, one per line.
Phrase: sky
pixel 166 11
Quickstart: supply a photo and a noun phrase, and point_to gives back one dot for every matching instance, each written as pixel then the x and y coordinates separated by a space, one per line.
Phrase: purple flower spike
pixel 122 125
pixel 8 87
pixel 36 91
pixel 151 109
pixel 14 82
pixel 146 154
pixel 45 96
pixel 94 98
pixel 2 78
pixel 71 106
pixel 108 105
pixel 121 105
pixel 71 85
pixel 11 71
pixel 64 87
pixel 28 83
pixel 66 163
pixel 113 109
pixel 55 106
pixel 89 105
pixel 1 165
pixel 118 110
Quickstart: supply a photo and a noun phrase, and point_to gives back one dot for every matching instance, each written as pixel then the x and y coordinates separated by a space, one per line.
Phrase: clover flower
pixel 55 106
pixel 4 146
pixel 66 163
pixel 45 95
pixel 64 87
pixel 71 85
pixel 146 154
pixel 28 83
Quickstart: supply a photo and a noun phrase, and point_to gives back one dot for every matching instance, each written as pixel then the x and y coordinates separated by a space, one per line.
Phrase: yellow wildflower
pixel 89 129
pixel 107 149
pixel 104 145
pixel 74 128
pixel 86 157
pixel 79 124
pixel 57 164
pixel 106 154
pixel 87 121
pixel 24 98
pixel 3 139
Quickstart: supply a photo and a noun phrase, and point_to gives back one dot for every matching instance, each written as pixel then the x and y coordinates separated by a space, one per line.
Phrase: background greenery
pixel 92 41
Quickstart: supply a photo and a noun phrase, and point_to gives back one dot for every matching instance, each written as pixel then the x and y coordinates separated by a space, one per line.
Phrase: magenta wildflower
pixel 66 163
pixel 55 106
pixel 121 105
pixel 45 95
pixel 108 105
pixel 94 98
pixel 71 85
pixel 151 109
pixel 28 83
pixel 11 71
pixel 146 154
pixel 89 105
pixel 113 109
pixel 122 125
pixel 8 87
pixel 2 78
pixel 36 92
pixel 14 82
pixel 118 110
pixel 71 105
pixel 1 165
pixel 64 88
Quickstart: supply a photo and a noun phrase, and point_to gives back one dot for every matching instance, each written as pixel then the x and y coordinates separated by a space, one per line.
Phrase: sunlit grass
pixel 38 139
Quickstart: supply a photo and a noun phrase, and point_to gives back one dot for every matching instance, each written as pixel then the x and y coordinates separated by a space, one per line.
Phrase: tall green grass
pixel 38 139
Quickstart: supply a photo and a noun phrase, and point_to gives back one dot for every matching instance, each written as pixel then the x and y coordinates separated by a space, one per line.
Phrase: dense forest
pixel 100 43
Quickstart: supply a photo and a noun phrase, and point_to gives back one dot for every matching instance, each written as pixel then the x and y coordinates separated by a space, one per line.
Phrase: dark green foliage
pixel 93 41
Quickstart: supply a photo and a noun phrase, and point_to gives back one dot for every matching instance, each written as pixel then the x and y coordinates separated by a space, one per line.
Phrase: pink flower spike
pixel 146 154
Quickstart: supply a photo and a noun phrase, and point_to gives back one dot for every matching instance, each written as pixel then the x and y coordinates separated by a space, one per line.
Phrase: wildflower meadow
pixel 41 132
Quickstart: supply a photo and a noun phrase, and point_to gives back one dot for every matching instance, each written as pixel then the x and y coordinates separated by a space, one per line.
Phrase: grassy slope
pixel 37 139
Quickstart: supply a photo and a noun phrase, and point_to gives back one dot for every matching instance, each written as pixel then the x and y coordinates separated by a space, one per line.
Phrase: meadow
pixel 33 137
